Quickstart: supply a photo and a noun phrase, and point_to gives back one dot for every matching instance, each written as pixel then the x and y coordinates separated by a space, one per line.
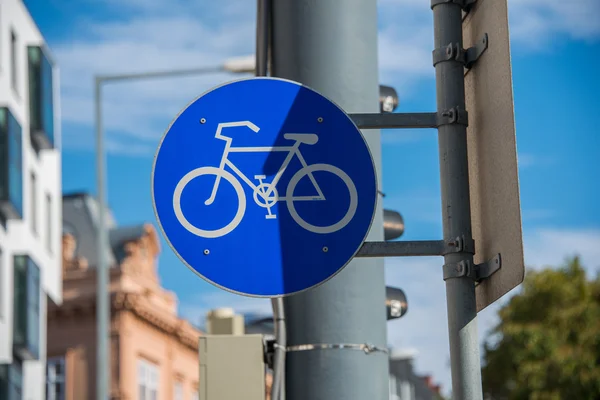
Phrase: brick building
pixel 154 353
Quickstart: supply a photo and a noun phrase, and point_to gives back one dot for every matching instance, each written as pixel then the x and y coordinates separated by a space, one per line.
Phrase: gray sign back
pixel 493 171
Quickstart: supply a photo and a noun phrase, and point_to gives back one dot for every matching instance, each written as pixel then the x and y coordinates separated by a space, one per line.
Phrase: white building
pixel 30 202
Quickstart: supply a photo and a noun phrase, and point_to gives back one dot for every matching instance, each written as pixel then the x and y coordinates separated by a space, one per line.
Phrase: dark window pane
pixel 35 114
pixel 13 60
pixel 41 96
pixel 15 163
pixel 33 216
pixel 49 226
pixel 26 315
pixel 15 381
pixel 4 380
pixel 4 154
pixel 20 300
pixel 33 306
pixel 47 99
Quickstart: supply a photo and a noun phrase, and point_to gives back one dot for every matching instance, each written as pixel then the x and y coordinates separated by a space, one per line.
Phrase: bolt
pixel 202 120
pixel 325 249
pixel 320 119
pixel 206 252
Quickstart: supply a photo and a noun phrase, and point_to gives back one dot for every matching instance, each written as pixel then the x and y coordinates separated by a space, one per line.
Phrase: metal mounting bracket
pixel 394 120
pixel 453 116
pixel 477 272
pixel 462 245
pixel 454 51
pixel 466 5
pixel 473 53
pixel 416 248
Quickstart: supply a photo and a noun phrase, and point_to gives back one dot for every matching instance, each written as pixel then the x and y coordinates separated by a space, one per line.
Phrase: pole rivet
pixel 206 252
pixel 325 249
pixel 202 120
pixel 320 119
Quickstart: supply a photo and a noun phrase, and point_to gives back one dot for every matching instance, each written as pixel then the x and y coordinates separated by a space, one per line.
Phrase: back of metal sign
pixel 493 171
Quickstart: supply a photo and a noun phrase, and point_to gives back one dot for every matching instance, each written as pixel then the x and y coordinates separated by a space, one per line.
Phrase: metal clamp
pixel 454 115
pixel 460 245
pixel 477 272
pixel 473 53
pixel 454 51
pixel 367 348
pixel 466 5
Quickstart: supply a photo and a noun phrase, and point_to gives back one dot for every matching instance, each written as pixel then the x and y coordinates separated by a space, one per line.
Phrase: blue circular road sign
pixel 264 187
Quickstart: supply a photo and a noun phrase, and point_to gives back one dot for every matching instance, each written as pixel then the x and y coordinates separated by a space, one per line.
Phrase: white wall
pixel 19 238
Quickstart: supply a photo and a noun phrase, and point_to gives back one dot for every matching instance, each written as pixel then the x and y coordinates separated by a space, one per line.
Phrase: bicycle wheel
pixel 349 185
pixel 217 172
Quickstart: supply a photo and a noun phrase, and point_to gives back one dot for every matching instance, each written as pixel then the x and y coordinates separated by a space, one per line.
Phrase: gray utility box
pixel 232 367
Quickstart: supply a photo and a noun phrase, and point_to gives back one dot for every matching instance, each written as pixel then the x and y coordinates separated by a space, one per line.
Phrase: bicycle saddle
pixel 308 138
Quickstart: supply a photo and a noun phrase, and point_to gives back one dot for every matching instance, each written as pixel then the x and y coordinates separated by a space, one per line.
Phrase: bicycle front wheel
pixel 308 170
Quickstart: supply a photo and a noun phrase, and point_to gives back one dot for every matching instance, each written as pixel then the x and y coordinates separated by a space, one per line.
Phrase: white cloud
pixel 528 160
pixel 536 22
pixel 424 327
pixel 181 34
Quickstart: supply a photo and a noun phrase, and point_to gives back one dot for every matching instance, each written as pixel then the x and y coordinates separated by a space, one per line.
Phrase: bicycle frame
pixel 291 150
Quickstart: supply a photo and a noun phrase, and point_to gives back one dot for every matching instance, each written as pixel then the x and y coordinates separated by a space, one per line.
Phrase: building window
pixel 13 60
pixel 49 235
pixel 11 166
pixel 11 380
pixel 394 389
pixel 41 98
pixel 34 222
pixel 26 314
pixel 147 380
pixel 178 391
pixel 55 379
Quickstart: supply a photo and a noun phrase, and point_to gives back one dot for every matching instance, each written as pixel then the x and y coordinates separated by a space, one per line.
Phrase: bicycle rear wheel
pixel 217 172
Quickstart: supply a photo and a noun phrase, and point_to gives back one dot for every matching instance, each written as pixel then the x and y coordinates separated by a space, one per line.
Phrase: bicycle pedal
pixel 272 216
pixel 259 177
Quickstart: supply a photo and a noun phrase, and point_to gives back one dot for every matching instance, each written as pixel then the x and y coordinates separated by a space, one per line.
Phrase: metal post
pixel 331 46
pixel 102 267
pixel 454 174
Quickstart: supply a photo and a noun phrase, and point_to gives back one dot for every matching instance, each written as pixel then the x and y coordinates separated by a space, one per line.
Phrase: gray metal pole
pixel 456 211
pixel 331 46
pixel 102 269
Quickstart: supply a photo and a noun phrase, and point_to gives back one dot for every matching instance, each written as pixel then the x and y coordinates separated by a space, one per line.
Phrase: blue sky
pixel 555 47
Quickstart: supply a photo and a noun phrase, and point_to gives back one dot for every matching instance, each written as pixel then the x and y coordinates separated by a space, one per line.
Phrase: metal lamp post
pixel 234 65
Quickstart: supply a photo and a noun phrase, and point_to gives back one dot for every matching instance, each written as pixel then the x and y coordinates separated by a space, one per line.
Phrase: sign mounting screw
pixel 202 120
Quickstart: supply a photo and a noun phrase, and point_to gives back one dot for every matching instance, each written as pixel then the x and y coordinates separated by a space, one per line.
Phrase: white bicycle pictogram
pixel 265 194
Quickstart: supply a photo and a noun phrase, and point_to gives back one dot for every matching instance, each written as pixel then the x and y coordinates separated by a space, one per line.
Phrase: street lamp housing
pixel 388 99
pixel 240 65
pixel 395 302
pixel 393 224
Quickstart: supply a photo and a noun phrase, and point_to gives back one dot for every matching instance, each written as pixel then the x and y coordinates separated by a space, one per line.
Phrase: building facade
pixel 405 384
pixel 30 196
pixel 154 353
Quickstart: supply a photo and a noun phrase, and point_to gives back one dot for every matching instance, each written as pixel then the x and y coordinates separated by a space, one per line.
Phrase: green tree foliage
pixel 548 339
